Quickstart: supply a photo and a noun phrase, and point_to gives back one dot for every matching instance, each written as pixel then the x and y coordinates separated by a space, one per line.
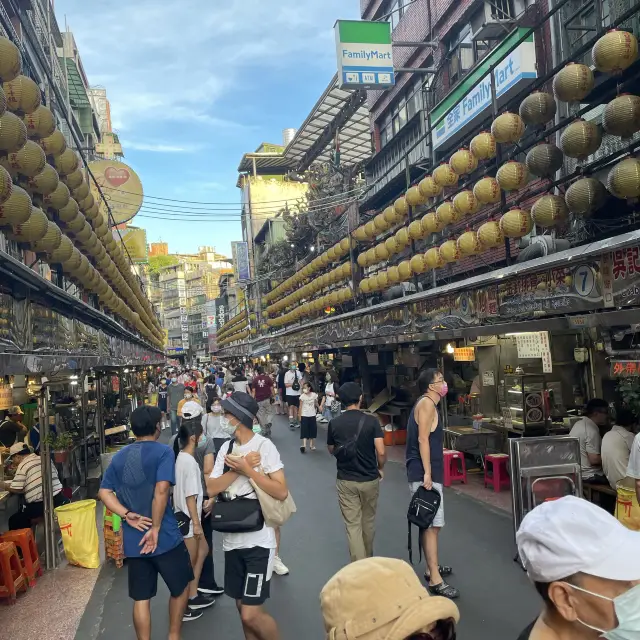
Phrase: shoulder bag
pixel 422 510
pixel 349 450
pixel 296 383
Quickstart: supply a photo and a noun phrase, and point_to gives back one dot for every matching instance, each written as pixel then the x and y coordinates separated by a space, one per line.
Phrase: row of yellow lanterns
pixel 232 322
pixel 328 300
pixel 242 334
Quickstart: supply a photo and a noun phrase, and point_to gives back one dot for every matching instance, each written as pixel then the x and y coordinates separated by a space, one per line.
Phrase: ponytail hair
pixel 188 428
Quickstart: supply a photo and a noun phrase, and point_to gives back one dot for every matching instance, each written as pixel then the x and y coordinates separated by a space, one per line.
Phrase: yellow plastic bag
pixel 627 507
pixel 80 533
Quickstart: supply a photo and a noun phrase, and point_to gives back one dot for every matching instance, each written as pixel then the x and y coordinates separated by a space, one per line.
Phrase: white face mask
pixel 627 609
pixel 227 427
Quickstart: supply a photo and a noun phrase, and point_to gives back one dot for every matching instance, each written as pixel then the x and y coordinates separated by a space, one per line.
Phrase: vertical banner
pixel 240 256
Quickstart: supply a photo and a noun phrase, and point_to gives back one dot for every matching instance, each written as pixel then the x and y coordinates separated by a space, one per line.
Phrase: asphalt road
pixel 496 600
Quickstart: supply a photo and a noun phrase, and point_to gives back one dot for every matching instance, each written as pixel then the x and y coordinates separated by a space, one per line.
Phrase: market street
pixel 497 599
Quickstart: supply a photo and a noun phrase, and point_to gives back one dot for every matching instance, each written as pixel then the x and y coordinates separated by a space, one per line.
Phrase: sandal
pixel 445 590
pixel 443 569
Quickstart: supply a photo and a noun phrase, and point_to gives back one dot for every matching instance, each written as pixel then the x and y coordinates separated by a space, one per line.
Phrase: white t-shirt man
pixel 289 377
pixel 188 483
pixel 633 469
pixel 586 430
pixel 616 450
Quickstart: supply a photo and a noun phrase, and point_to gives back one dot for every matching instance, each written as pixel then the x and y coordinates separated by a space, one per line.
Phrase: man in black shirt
pixel 11 429
pixel 358 443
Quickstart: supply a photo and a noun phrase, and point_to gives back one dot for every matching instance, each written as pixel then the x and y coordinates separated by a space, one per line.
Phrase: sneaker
pixel 191 614
pixel 320 418
pixel 444 589
pixel 280 567
pixel 213 590
pixel 201 602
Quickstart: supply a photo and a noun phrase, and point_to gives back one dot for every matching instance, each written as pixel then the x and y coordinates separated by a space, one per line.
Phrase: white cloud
pixel 159 147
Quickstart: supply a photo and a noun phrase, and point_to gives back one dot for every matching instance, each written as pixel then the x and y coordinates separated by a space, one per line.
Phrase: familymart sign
pixel 365 56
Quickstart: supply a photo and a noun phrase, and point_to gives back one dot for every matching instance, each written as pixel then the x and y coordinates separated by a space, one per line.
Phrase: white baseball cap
pixel 191 409
pixel 563 537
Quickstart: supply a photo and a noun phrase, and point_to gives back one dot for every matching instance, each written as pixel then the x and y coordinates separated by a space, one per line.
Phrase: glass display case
pixel 524 403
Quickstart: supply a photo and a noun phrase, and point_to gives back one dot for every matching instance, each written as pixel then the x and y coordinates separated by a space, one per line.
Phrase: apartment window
pixel 397 9
pixel 400 113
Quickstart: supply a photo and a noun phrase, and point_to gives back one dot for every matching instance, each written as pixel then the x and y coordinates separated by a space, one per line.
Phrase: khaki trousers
pixel 358 504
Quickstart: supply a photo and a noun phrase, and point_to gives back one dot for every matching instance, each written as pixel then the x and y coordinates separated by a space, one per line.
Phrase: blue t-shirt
pixel 132 475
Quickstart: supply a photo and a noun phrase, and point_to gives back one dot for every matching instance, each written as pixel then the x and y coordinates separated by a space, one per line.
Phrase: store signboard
pixel 121 189
pixel 134 240
pixel 464 354
pixel 532 344
pixel 365 54
pixel 6 396
pixel 240 256
pixel 625 368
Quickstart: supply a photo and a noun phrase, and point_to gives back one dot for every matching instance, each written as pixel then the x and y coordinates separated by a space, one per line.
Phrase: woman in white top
pixel 308 425
pixel 330 405
pixel 213 424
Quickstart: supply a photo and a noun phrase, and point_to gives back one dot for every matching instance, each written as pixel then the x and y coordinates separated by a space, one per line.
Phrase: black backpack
pixel 422 510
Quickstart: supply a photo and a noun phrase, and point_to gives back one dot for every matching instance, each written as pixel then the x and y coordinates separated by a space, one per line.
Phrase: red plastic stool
pixel 454 467
pixel 12 577
pixel 499 475
pixel 25 541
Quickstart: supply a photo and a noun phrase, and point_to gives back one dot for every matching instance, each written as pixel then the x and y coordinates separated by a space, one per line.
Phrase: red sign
pixel 625 368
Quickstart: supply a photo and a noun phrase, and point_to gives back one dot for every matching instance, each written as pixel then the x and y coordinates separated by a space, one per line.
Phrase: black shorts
pixel 308 427
pixel 247 575
pixel 293 401
pixel 174 566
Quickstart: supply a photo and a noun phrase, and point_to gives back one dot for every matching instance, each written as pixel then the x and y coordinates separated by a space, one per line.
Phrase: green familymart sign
pixel 365 56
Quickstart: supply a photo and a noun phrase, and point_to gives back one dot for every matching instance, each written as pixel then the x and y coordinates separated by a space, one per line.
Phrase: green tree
pixel 158 262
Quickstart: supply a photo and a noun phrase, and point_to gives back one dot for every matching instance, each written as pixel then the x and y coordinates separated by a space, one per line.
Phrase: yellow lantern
pixel 371 256
pixel 381 251
pixel 624 179
pixel 537 108
pixel 433 259
pixel 76 224
pixel 365 285
pixel 370 230
pixel 10 60
pixel 345 245
pixel 487 191
pixel 402 237
pixel 414 197
pixel 465 203
pixel 41 123
pixel 87 203
pixel 621 116
pixel 32 229
pixel 333 298
pixel 405 270
pixel 382 280
pixel 13 133
pixel 490 235
pixel 468 244
pixel 544 159
pixel 394 275
pixel 23 94
pixel 483 146
pixel 362 260
pixel 54 144
pixel 580 139
pixel 360 234
pixel 573 83
pixel 401 207
pixel 507 127
pixel 449 251
pixel 45 183
pixel 29 161
pixel 416 231
pixel 392 246
pixel 50 241
pixel 80 192
pixel 91 243
pixel 615 51
pixel 429 188
pixel 345 270
pixel 16 209
pixel 549 211
pixel 512 176
pixel 381 223
pixel 516 223
pixel 463 161
pixel 63 252
pixel 6 185
pixel 446 214
pixel 74 262
pixel 585 196
pixel 69 211
pixel 66 162
pixel 418 264
pixel 445 176
pixel 331 254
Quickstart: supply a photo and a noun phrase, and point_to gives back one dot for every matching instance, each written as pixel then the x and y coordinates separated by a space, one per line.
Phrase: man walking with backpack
pixel 357 442
pixel 425 467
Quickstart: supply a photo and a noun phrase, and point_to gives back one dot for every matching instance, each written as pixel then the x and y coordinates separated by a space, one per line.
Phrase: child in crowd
pixel 308 425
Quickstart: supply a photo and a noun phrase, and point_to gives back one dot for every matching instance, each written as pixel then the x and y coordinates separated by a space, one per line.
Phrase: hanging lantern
pixel 446 214
pixel 449 251
pixel 615 51
pixel 429 224
pixel 483 146
pixel 345 244
pixel 538 107
pixel 573 83
pixel 91 243
pixel 463 162
pixel 45 183
pixel 585 196
pixel 416 231
pixel 516 223
pixel 23 94
pixel 544 159
pixel 621 116
pixel 331 254
pixel 401 207
pixel 624 179
pixel 382 280
pixel 365 285
pixel 13 133
pixel 50 241
pixel 32 229
pixel 490 235
pixel 362 260
pixel 80 192
pixel 53 145
pixel 10 60
pixel 345 270
pixel 507 127
pixel 69 211
pixel 63 252
pixel 16 209
pixel 394 275
pixel 468 244
pixel 381 251
pixel 392 216
pixel 418 264
pixel 360 234
pixel 414 197
pixel 549 211
pixel 74 262
pixel 445 176
pixel 429 188
pixel 433 259
pixel 487 191
pixel 76 225
pixel 512 176
pixel 41 123
pixel 402 237
pixel 580 139
pixel 371 256
pixel 66 162
pixel 381 223
pixel 465 203
pixel 392 246
pixel 405 271
pixel 337 249
pixel 6 185
pixel 74 180
pixel 29 160
pixel 370 230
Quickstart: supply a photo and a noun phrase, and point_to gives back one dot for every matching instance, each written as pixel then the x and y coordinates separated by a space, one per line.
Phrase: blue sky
pixel 195 84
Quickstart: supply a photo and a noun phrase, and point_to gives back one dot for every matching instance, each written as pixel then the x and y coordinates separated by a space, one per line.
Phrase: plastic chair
pixel 454 467
pixel 25 541
pixel 498 475
pixel 12 577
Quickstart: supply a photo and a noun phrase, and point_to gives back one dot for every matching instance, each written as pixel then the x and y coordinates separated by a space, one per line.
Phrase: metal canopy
pixel 337 111
pixel 264 161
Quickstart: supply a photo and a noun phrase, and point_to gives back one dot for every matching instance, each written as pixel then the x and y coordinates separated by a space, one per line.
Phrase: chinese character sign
pixel 625 368
pixel 240 256
pixel 464 354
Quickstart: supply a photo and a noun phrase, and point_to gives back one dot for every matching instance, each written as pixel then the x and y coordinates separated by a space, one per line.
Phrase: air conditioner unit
pixel 496 19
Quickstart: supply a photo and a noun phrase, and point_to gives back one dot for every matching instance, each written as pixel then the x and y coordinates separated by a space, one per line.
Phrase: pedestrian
pixel 174 396
pixel 136 487
pixel 240 382
pixel 263 392
pixel 357 442
pixel 424 460
pixel 308 425
pixel 330 405
pixel 302 368
pixel 211 390
pixel 281 388
pixel 586 567
pixel 587 430
pixel 12 429
pixel 212 425
pixel 163 393
pixel 293 389
pixel 249 557
pixel 191 509
pixel 383 597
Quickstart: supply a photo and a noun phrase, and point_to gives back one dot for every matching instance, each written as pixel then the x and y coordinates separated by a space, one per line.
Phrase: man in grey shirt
pixel 175 393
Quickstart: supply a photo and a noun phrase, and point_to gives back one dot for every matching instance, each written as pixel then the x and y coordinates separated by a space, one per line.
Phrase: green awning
pixel 77 93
